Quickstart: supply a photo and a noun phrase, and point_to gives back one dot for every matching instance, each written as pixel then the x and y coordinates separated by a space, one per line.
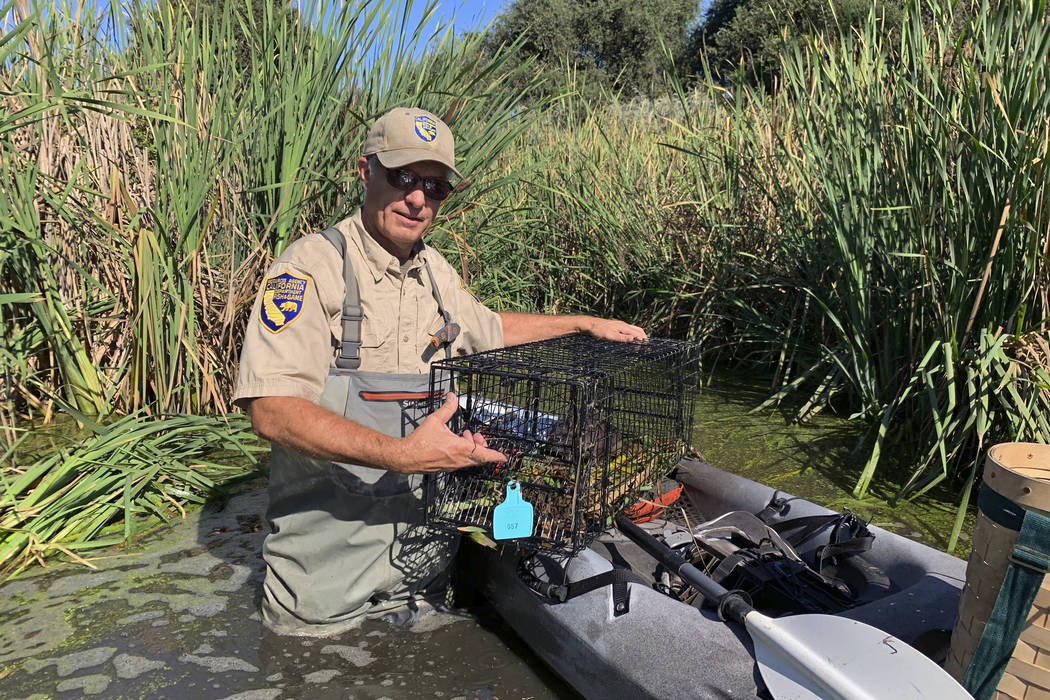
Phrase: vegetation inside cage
pixel 585 423
pixel 550 485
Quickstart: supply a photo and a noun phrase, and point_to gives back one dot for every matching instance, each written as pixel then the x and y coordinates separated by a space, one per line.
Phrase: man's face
pixel 397 219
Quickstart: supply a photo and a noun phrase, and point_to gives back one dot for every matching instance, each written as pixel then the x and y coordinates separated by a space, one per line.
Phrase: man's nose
pixel 415 197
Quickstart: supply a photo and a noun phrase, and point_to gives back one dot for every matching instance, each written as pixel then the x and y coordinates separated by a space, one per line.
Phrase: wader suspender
pixel 350 348
pixel 1029 564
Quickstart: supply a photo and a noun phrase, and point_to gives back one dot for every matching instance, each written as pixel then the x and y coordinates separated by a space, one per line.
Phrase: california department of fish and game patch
pixel 426 128
pixel 282 301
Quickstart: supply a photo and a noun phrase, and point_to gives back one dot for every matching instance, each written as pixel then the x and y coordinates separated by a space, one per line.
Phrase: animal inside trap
pixel 586 424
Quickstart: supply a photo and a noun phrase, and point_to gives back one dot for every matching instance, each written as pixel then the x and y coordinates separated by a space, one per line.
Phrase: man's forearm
pixel 315 431
pixel 526 328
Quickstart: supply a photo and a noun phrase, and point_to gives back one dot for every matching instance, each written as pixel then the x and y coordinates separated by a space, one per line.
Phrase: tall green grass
pixel 874 234
pixel 605 219
pixel 910 191
pixel 142 208
pixel 147 180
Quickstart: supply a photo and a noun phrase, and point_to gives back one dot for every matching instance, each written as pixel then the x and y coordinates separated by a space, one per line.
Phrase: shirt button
pixel 405 339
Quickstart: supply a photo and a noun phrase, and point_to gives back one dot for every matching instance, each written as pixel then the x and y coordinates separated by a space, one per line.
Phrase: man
pixel 336 353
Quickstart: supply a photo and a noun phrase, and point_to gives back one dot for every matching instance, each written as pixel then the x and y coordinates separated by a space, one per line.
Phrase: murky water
pixel 178 618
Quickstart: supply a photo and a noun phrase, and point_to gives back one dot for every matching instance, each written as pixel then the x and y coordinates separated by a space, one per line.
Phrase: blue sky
pixel 464 14
pixel 467 13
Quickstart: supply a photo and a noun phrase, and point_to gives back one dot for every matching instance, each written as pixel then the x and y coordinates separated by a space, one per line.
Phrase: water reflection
pixel 443 656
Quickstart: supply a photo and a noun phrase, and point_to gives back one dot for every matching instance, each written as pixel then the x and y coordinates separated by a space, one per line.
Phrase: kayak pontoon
pixel 665 648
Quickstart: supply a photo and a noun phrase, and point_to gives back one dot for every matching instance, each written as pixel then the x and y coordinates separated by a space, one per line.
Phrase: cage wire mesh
pixel 587 425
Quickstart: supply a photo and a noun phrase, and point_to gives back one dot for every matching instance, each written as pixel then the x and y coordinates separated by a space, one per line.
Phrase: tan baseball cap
pixel 407 135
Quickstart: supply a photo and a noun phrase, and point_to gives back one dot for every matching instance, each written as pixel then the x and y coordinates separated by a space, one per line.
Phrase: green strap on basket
pixel 1029 563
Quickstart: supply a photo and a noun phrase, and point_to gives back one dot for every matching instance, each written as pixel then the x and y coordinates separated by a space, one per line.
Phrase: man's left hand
pixel 611 329
pixel 526 328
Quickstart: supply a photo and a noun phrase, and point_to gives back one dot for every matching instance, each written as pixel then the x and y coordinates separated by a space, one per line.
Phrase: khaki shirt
pixel 289 347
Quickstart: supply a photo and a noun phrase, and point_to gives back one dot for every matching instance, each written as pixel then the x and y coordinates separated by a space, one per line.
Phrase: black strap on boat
pixel 849 534
pixel 617 577
pixel 762 551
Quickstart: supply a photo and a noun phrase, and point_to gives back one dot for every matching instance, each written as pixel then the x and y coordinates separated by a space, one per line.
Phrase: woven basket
pixel 1020 472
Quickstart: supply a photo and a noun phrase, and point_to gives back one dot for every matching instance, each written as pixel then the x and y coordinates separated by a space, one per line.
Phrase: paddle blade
pixel 810 657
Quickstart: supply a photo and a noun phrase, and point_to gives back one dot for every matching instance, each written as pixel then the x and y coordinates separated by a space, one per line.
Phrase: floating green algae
pixel 818 460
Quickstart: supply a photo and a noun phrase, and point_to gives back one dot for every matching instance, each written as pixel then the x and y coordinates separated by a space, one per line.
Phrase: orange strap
pixel 398 395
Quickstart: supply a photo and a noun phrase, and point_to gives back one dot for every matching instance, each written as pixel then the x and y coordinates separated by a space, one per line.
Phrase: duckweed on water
pixel 817 460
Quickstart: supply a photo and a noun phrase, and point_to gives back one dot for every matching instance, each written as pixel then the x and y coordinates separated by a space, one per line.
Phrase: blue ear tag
pixel 512 518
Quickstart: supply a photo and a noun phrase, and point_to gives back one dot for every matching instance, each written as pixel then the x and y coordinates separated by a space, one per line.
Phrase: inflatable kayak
pixel 643 638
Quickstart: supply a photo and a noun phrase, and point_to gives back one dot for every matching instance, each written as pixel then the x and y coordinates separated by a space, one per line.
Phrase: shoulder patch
pixel 282 301
pixel 463 286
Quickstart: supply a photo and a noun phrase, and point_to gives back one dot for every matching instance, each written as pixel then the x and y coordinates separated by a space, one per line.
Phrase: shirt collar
pixel 379 261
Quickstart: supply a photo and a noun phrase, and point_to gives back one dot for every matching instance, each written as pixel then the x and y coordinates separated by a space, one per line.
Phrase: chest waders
pixel 346 540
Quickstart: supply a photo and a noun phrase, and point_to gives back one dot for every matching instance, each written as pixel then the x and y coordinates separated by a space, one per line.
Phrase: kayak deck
pixel 663 648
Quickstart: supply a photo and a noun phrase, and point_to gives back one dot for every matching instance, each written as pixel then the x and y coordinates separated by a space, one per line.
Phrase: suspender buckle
pixel 353 312
pixel 348 363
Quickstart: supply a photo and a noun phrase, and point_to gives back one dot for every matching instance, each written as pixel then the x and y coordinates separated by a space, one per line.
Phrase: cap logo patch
pixel 282 301
pixel 426 128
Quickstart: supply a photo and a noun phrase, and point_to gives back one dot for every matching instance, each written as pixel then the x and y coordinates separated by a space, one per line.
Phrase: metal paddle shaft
pixel 806 657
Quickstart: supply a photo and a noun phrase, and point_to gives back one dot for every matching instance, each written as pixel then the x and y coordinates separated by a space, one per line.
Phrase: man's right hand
pixel 313 430
pixel 432 447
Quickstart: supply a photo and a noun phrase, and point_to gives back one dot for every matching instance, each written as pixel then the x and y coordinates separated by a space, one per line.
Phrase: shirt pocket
pixel 376 334
pixel 377 345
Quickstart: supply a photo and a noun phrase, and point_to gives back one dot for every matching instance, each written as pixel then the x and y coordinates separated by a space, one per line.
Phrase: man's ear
pixel 363 171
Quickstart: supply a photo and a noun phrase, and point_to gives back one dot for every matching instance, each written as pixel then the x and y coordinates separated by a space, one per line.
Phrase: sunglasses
pixel 435 188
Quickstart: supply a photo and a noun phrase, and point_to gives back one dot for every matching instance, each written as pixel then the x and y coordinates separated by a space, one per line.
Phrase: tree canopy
pixel 748 36
pixel 613 45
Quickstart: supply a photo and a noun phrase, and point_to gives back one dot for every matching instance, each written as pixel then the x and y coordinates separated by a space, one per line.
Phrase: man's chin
pixel 410 235
pixel 414 230
pixel 406 240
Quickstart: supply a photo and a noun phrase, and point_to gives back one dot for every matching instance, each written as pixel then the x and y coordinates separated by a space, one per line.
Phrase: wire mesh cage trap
pixel 587 425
